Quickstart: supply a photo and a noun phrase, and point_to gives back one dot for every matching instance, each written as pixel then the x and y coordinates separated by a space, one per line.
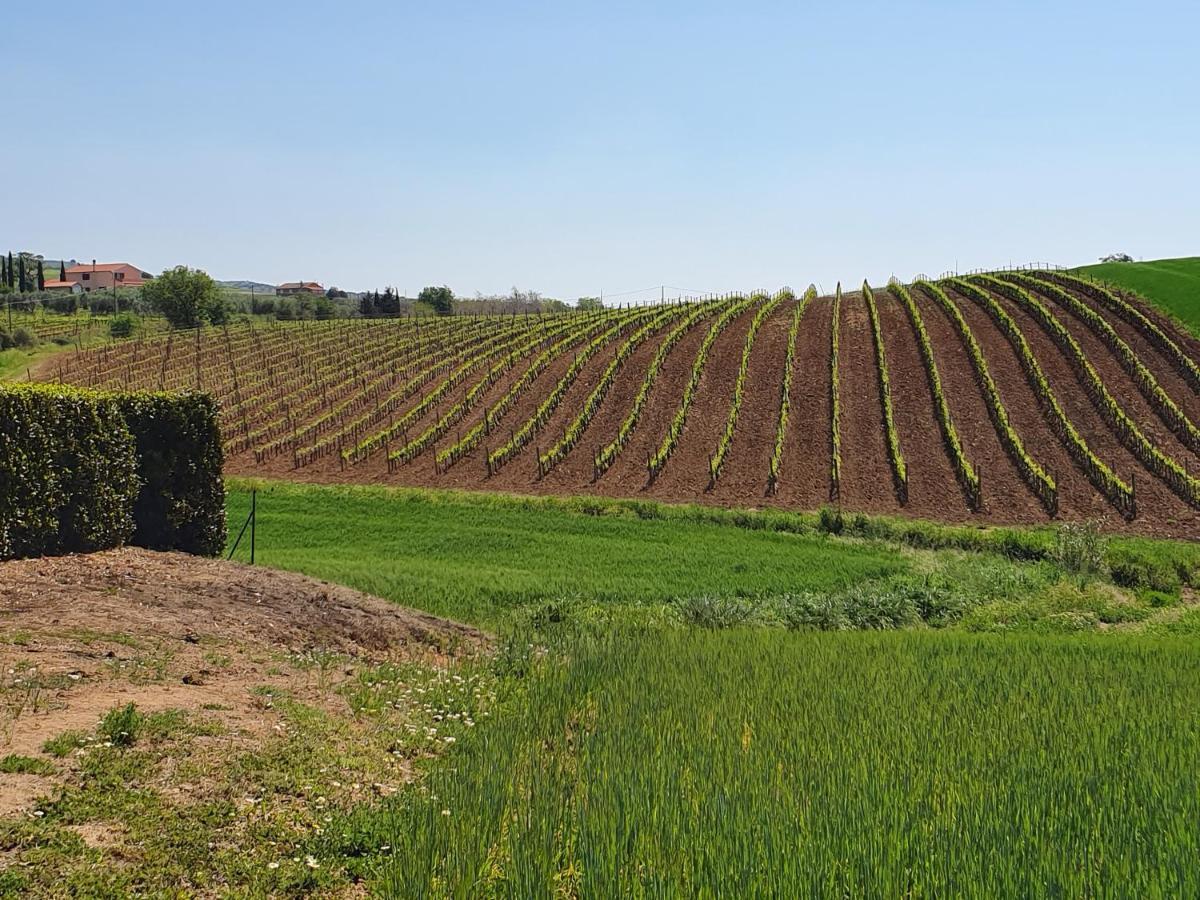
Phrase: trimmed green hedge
pixel 83 471
pixel 181 504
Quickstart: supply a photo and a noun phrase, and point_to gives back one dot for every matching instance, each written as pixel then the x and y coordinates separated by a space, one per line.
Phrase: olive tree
pixel 187 297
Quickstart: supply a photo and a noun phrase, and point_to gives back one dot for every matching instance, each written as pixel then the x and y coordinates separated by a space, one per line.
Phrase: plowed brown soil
pixel 1077 497
pixel 1122 384
pixel 687 470
pixel 932 489
pixel 866 470
pixel 627 476
pixel 577 468
pixel 804 469
pixel 1000 482
pixel 805 472
pixel 743 477
pixel 1154 498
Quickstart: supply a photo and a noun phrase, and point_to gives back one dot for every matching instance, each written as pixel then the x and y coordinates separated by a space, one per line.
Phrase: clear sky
pixel 575 148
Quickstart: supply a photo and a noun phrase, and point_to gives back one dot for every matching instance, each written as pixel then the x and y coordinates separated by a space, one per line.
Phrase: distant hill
pixel 257 286
pixel 1171 284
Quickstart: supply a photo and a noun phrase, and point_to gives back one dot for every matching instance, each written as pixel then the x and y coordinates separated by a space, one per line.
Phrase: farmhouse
pixel 289 288
pixel 104 276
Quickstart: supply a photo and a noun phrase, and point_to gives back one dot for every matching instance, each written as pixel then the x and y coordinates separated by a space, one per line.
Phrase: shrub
pixel 67 472
pixel 23 338
pixel 830 520
pixel 6 341
pixel 808 611
pixel 717 612
pixel 101 303
pixel 121 326
pixel 62 303
pixel 181 505
pixel 83 471
pixel 1079 548
pixel 880 608
pixel 1131 569
pixel 187 297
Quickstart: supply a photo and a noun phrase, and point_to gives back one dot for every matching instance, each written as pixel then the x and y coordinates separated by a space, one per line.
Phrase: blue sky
pixel 575 148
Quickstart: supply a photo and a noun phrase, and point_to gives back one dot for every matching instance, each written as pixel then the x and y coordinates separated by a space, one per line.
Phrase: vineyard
pixel 1005 397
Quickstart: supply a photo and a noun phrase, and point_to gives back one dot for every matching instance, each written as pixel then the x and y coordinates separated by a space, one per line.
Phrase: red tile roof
pixel 300 284
pixel 99 267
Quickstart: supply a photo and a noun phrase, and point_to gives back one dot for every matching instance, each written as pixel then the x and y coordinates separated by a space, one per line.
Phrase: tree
pixel 589 304
pixel 62 270
pixel 21 277
pixel 187 297
pixel 324 308
pixel 3 273
pixel 41 277
pixel 389 303
pixel 11 274
pixel 440 298
pixel 1116 257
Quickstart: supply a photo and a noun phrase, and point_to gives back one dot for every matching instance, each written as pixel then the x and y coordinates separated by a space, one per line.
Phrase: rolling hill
pixel 1172 284
pixel 1013 398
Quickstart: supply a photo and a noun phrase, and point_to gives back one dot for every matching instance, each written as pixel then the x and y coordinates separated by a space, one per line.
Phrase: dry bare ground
pixel 249 722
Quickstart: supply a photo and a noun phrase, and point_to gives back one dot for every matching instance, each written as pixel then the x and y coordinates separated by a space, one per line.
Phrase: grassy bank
pixel 1172 284
pixel 479 557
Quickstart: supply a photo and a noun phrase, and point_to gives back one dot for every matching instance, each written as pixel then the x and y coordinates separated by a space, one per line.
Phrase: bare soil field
pixel 361 392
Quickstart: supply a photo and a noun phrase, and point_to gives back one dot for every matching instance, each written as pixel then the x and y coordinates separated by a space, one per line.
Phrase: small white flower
pixel 273 865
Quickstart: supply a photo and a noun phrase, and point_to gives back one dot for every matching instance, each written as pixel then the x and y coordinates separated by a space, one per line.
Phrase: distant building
pixel 64 287
pixel 299 287
pixel 96 276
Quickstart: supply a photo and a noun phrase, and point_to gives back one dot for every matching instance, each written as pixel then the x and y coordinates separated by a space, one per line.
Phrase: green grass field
pixel 476 558
pixel 1172 284
pixel 667 717
pixel 768 764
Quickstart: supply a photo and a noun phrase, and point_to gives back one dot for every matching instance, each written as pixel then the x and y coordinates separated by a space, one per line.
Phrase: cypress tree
pixel 3 271
pixel 11 274
pixel 24 285
pixel 41 277
pixel 62 270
